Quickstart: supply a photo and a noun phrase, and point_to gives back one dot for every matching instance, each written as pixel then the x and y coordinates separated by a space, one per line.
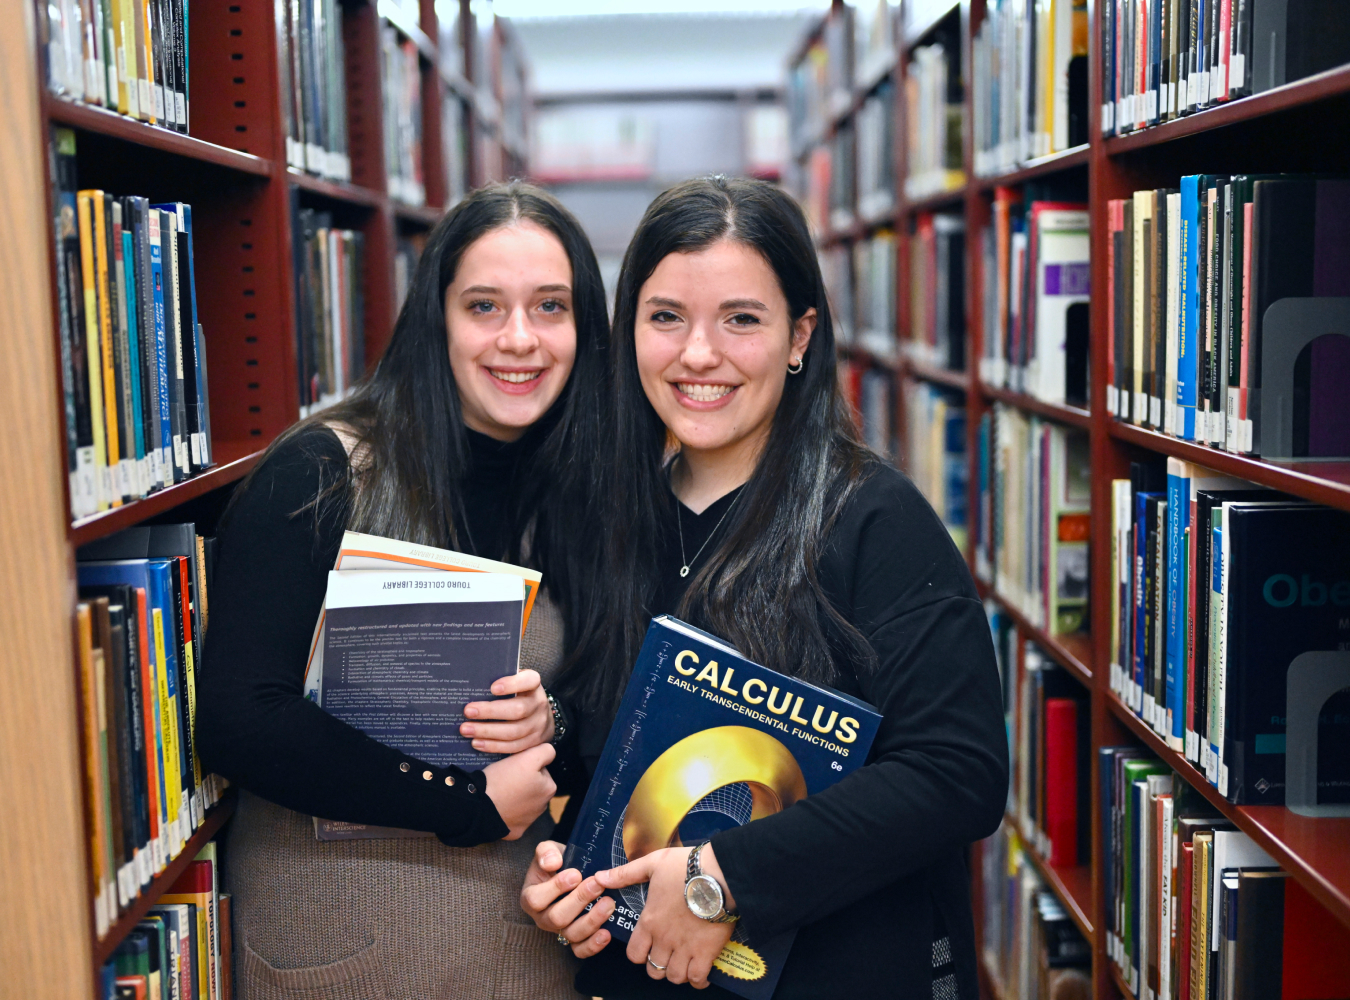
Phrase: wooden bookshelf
pixel 1284 129
pixel 1072 885
pixel 211 824
pixel 232 169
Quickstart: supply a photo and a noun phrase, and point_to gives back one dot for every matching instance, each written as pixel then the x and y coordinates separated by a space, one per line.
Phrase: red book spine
pixel 195 878
pixel 1061 780
pixel 1185 868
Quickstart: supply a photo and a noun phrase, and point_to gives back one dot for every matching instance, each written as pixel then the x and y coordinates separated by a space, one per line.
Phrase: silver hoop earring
pixel 801 363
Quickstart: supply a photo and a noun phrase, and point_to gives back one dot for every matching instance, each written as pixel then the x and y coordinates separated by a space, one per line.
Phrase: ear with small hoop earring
pixel 796 367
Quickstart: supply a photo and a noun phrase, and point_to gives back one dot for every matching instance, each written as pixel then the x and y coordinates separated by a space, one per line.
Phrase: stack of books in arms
pixel 330 307
pixel 1195 908
pixel 1032 526
pixel 1052 754
pixel 1036 254
pixel 132 351
pixel 129 56
pixel 401 93
pixel 182 948
pixel 937 320
pixel 874 293
pixel 1030 82
pixel 140 621
pixel 1201 278
pixel 935 452
pixel 1220 586
pixel 935 115
pixel 1031 946
pixel 313 80
pixel 876 153
pixel 1162 59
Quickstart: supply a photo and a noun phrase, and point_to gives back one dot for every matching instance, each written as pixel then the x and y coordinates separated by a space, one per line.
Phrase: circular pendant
pixel 684 571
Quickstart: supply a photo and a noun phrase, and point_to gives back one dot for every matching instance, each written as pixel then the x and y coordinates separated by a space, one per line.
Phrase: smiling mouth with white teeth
pixel 703 393
pixel 515 377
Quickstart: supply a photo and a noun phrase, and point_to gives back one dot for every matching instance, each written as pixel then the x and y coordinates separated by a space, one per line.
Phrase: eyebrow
pixel 493 290
pixel 743 304
pixel 657 300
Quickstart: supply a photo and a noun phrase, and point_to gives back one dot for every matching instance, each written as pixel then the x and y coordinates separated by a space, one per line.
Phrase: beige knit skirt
pixel 406 919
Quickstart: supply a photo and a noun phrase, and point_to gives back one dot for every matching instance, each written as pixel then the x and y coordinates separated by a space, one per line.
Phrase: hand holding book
pixel 510 724
pixel 520 787
pixel 557 901
pixel 669 939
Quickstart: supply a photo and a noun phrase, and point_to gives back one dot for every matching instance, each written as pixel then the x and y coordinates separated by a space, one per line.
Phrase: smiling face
pixel 714 341
pixel 513 334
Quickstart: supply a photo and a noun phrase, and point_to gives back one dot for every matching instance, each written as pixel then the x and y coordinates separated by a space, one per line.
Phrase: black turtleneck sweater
pixel 254 727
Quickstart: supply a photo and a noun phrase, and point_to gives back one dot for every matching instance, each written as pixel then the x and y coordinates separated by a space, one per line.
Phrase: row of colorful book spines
pixel 147 793
pixel 331 333
pixel 126 55
pixel 181 950
pixel 1015 447
pixel 133 355
pixel 1208 43
pixel 1023 106
pixel 1191 365
pixel 313 83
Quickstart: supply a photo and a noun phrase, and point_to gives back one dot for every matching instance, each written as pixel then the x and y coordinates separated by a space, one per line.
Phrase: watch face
pixel 704 896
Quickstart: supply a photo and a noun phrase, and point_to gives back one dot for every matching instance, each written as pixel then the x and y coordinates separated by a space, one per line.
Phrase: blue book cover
pixel 1178 519
pixel 1190 307
pixel 1215 648
pixel 1288 593
pixel 706 740
pixel 161 346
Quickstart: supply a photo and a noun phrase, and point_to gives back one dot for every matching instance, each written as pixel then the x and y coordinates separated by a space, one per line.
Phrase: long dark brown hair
pixel 759 589
pixel 411 454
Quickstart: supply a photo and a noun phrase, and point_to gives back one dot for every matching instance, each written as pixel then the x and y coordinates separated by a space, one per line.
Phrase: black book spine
pixel 191 424
pixel 1149 264
pixel 126 448
pixel 136 721
pixel 125 786
pixel 180 63
pixel 1150 594
pixel 1216 275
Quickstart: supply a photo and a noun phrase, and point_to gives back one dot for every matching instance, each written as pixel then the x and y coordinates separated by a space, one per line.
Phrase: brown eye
pixel 664 316
pixel 744 319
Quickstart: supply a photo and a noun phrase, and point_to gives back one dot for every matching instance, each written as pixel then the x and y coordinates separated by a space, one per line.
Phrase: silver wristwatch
pixel 703 894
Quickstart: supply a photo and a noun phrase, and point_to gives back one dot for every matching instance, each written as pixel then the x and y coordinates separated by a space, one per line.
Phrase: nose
pixel 700 353
pixel 517 337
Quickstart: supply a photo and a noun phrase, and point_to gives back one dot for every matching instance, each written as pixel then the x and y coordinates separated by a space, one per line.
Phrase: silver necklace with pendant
pixel 679 524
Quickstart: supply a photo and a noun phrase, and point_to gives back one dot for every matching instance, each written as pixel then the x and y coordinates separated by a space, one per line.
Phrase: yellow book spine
pixel 128 100
pixel 196 764
pixel 94 358
pixel 173 781
pixel 150 112
pixel 105 344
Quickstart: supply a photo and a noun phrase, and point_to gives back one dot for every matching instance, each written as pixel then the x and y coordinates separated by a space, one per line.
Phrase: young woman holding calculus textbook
pixel 775 529
pixel 464 437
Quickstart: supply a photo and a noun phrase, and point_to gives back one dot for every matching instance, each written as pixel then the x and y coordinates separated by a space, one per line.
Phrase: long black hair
pixel 759 589
pixel 411 456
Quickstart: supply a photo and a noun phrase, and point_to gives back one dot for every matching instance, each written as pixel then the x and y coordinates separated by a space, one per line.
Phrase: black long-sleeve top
pixel 871 871
pixel 253 724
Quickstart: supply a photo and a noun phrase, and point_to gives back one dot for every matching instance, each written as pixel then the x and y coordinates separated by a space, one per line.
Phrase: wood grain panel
pixel 45 908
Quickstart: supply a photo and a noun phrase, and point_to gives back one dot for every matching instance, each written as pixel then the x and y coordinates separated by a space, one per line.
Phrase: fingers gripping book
pixel 706 740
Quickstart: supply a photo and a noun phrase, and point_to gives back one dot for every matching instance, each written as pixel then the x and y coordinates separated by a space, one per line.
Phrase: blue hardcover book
pixel 1190 307
pixel 1287 594
pixel 1178 519
pixel 706 740
pixel 168 465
